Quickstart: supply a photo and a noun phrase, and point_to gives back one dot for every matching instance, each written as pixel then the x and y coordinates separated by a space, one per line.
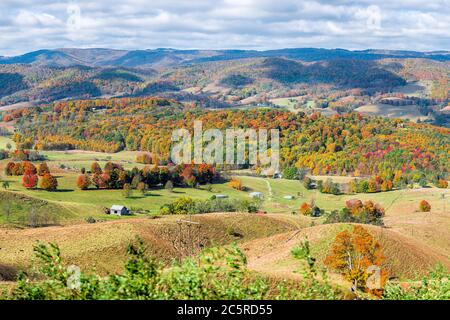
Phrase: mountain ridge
pixel 104 57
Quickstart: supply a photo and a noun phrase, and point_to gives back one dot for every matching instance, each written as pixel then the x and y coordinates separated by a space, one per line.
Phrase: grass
pixel 91 202
pixel 410 112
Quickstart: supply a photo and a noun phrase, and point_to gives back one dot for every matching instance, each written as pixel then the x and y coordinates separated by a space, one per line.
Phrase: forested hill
pixel 340 145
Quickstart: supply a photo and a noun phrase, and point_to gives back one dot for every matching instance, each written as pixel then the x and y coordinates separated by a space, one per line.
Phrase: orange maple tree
pixel 355 255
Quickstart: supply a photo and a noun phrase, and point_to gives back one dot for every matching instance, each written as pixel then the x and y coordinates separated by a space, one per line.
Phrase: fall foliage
pixel 83 181
pixel 49 182
pixel 353 254
pixel 236 183
pixel 30 179
pixel 424 206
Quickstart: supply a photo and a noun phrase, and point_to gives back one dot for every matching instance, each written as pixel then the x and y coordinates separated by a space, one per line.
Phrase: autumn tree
pixel 43 169
pixel 96 169
pixel 236 183
pixel 424 206
pixel 30 179
pixel 127 191
pixel 188 176
pixel 356 255
pixel 49 182
pixel 29 167
pixel 83 182
pixel 9 169
pixel 305 209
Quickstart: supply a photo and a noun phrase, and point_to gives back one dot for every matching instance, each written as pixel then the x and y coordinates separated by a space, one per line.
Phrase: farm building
pixel 221 196
pixel 256 195
pixel 119 210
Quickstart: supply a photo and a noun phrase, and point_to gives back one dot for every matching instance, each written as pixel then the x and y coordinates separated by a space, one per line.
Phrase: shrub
pixel 442 184
pixel 434 286
pixel 290 173
pixel 90 220
pixel 424 206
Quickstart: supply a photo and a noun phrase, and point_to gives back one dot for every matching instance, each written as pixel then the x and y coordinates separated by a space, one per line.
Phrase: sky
pixel 28 25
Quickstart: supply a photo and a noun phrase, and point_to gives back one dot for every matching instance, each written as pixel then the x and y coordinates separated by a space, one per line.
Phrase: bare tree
pixel 33 218
pixel 7 211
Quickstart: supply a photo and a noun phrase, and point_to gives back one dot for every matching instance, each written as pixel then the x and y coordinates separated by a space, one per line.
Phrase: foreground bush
pixel 435 286
pixel 215 274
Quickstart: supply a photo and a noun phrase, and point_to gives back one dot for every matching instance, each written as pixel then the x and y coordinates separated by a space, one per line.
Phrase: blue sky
pixel 27 25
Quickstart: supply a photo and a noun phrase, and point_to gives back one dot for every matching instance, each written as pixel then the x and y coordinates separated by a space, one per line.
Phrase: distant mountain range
pixel 172 57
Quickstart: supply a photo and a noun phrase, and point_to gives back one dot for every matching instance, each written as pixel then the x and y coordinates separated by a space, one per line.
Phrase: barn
pixel 119 210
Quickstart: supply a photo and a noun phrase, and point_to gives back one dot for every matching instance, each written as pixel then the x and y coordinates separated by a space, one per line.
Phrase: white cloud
pixel 27 25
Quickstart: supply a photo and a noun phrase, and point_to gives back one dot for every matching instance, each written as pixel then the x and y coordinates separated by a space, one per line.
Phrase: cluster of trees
pixel 114 176
pixel 19 168
pixel 355 211
pixel 20 155
pixel 30 175
pixel 310 209
pixel 186 205
pixel 375 184
pixel 147 158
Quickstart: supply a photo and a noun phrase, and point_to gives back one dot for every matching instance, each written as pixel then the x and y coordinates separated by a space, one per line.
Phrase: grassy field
pixel 410 112
pixel 291 103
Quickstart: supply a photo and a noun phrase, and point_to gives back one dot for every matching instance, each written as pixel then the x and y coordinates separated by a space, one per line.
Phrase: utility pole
pixel 189 232
pixel 443 201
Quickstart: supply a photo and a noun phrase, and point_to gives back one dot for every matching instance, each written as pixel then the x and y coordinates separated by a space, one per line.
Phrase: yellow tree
pixel 356 255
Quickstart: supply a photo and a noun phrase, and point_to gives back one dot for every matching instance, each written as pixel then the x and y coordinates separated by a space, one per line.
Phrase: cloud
pixel 27 25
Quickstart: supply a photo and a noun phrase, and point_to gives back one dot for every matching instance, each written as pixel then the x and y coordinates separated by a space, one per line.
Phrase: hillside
pixel 102 245
pixel 317 80
pixel 407 257
pixel 21 211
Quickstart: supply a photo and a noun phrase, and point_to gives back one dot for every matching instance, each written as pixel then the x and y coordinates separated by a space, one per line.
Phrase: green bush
pixel 190 206
pixel 435 286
